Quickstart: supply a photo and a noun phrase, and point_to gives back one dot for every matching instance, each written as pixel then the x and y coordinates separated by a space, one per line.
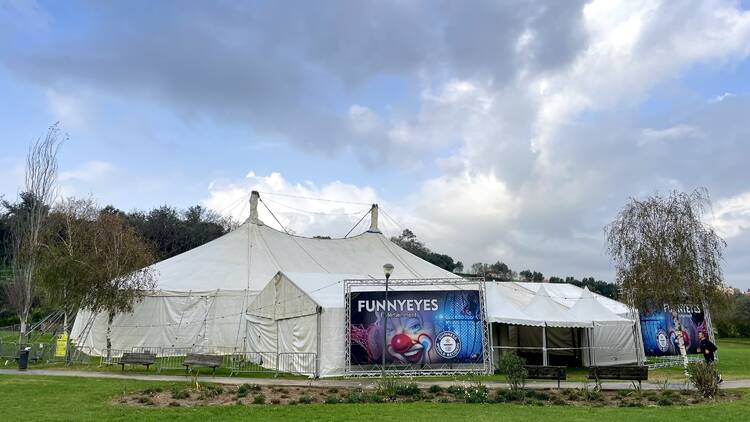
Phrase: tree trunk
pixel 109 337
pixel 67 337
pixel 680 340
pixel 23 336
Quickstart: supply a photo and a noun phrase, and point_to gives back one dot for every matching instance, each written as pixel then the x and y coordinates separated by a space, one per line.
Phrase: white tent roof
pixel 251 255
pixel 501 309
pixel 543 308
pixel 587 307
pixel 557 305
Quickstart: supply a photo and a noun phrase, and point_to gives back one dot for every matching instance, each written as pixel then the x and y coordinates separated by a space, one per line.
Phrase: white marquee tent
pixel 257 289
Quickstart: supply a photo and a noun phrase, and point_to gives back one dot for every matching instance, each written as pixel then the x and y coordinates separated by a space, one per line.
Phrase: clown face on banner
pixel 421 327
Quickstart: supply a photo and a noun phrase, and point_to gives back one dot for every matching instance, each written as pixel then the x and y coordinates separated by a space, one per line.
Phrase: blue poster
pixel 423 327
pixel 657 329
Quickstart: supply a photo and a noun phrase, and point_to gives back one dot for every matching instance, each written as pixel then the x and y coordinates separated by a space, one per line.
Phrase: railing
pixel 297 363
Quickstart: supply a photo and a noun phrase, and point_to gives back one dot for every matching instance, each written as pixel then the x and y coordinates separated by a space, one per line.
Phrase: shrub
pixel 476 394
pixel 456 390
pixel 355 397
pixel 388 386
pixel 178 394
pixel 434 389
pixel 512 366
pixel 705 378
pixel 331 399
pixel 259 399
pixel 276 401
pixel 305 399
pixel 409 389
pixel 664 402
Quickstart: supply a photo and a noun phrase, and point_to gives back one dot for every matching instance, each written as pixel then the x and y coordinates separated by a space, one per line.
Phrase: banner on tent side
pixel 658 331
pixel 425 328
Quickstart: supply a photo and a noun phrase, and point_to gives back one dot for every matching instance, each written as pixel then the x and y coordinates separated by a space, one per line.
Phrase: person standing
pixel 708 348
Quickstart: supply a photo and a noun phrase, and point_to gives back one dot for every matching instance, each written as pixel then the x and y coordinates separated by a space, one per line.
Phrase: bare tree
pixel 664 253
pixel 40 190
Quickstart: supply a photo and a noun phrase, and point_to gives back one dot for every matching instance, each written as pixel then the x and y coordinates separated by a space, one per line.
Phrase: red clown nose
pixel 401 343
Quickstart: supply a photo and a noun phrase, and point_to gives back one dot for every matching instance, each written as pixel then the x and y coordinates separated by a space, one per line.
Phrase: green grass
pixel 12 337
pixel 57 398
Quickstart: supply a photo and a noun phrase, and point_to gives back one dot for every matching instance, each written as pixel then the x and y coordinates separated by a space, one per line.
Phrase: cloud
pixel 521 133
pixel 310 217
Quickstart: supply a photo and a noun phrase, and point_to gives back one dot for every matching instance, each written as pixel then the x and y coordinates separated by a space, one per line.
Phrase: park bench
pixel 137 358
pixel 631 373
pixel 197 359
pixel 546 373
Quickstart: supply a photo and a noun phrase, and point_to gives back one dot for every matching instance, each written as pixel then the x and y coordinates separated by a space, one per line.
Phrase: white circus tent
pixel 202 294
pixel 264 290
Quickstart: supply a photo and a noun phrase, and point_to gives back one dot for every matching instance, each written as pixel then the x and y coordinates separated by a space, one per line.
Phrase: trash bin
pixel 23 358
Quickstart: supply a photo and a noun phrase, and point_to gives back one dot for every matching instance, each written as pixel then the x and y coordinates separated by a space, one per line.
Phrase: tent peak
pixel 374 219
pixel 253 218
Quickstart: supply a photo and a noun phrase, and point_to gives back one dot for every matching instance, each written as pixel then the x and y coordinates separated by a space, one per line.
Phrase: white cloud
pixel 89 172
pixel 309 217
pixel 731 215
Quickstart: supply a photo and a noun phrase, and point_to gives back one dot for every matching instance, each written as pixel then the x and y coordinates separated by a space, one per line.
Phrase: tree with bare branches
pixel 40 191
pixel 664 253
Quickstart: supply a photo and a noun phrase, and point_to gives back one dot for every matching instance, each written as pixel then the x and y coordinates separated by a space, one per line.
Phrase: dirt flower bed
pixel 253 394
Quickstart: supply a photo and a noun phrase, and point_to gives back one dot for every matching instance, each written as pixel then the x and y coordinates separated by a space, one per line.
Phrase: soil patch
pixel 252 394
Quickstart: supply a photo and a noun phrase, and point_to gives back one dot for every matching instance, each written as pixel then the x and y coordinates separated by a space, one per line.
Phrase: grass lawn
pixel 57 398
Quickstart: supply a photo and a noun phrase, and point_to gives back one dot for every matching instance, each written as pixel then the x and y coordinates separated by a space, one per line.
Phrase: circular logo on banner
pixel 448 344
pixel 662 342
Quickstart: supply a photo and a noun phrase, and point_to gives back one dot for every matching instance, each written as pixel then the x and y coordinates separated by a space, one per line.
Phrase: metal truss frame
pixel 354 285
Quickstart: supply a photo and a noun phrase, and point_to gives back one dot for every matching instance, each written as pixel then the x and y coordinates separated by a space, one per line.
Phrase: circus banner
pixel 423 327
pixel 657 329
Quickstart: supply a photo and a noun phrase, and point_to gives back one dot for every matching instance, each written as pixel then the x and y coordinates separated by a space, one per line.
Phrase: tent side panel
pixel 614 345
pixel 332 342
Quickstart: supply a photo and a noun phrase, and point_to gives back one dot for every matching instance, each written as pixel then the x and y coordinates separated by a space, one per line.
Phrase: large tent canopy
pixel 257 288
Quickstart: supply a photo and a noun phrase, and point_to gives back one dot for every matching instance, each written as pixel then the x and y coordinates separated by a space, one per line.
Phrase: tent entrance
pixel 563 346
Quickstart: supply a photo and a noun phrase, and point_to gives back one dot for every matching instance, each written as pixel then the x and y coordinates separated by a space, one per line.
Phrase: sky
pixel 500 130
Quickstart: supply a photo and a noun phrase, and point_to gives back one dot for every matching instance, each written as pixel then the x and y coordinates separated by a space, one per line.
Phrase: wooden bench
pixel 137 358
pixel 546 373
pixel 197 359
pixel 632 373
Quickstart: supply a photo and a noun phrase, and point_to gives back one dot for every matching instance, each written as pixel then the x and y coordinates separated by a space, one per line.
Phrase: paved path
pixel 343 383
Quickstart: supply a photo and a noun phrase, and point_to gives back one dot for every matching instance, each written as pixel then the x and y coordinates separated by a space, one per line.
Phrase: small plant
pixel 355 397
pixel 388 386
pixel 476 394
pixel 434 389
pixel 513 367
pixel 146 400
pixel 179 394
pixel 276 401
pixel 259 399
pixel 305 399
pixel 705 378
pixel 331 399
pixel 665 401
pixel 410 389
pixel 151 391
pixel 456 390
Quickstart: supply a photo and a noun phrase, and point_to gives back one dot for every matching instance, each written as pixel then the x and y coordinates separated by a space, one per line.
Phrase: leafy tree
pixel 664 253
pixel 408 241
pixel 94 260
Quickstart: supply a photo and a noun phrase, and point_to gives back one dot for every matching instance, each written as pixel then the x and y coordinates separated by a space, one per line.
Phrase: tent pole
pixel 545 358
pixel 317 343
pixel 492 350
